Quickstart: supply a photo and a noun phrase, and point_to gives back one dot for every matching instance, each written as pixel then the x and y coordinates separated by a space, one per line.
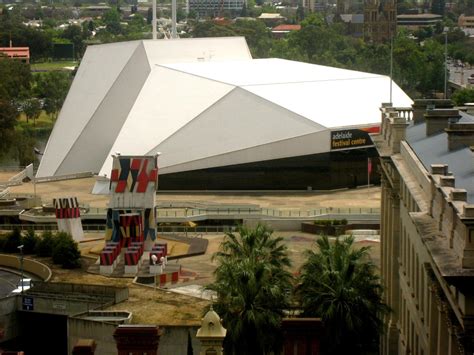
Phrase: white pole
pixel 369 169
pixel 391 68
pixel 445 64
pixel 173 19
pixel 153 21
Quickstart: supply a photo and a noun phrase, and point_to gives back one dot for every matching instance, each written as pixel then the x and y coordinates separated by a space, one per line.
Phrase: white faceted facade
pixel 204 103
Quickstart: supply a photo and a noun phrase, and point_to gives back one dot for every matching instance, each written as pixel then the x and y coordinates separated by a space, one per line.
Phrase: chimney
pixel 460 135
pixel 439 169
pixel 447 181
pixel 398 126
pixel 84 347
pixel 458 195
pixel 420 106
pixel 137 339
pixel 438 119
pixel 469 211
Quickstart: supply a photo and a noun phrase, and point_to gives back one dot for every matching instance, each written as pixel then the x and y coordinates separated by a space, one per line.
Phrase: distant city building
pixel 281 31
pixel 427 228
pixel 212 8
pixel 417 21
pixel 21 53
pixel 354 24
pixel 466 21
pixel 380 20
pixel 272 19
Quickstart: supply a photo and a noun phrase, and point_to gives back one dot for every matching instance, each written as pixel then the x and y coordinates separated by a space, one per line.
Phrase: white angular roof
pixel 204 103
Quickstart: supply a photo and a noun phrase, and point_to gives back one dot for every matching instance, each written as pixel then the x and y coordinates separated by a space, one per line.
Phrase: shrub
pixel 331 222
pixel 44 246
pixel 66 252
pixel 13 241
pixel 29 241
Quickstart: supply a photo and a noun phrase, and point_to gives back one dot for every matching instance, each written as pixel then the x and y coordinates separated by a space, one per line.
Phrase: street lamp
pixel 21 266
pixel 445 64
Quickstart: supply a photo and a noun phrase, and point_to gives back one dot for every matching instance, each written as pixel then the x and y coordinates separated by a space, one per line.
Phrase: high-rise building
pixel 427 228
pixel 206 8
pixel 380 20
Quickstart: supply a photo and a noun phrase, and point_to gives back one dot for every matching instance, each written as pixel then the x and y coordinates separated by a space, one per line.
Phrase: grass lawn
pixel 43 121
pixel 48 66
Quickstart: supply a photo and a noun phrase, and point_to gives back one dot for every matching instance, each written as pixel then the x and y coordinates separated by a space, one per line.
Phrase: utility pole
pixel 446 64
pixel 21 266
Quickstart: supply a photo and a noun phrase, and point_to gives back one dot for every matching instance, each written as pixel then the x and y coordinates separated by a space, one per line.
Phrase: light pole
pixel 445 64
pixel 21 266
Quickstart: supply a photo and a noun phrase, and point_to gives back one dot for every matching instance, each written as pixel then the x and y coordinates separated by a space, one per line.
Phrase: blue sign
pixel 28 303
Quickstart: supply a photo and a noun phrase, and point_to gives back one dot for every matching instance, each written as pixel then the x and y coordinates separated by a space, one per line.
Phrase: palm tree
pixel 338 284
pixel 253 286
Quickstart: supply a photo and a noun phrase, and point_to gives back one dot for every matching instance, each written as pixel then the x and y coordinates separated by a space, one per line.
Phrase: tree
pixel 252 283
pixel 76 36
pixel 44 246
pixel 112 21
pixel 66 252
pixel 339 284
pixel 460 97
pixel 13 241
pixel 32 109
pixel 8 116
pixel 29 241
pixel 53 87
pixel 15 79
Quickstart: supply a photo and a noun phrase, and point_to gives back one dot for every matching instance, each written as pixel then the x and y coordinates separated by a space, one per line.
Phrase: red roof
pixel 16 52
pixel 287 28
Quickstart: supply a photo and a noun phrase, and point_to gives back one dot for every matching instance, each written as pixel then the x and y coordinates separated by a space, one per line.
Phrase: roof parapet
pixel 468 211
pixel 439 169
pixel 438 119
pixel 460 135
pixel 458 195
pixel 421 105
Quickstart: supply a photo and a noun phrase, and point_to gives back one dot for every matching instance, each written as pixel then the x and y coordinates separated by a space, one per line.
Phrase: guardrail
pixel 29 265
pixel 101 228
pixel 268 212
pixel 64 177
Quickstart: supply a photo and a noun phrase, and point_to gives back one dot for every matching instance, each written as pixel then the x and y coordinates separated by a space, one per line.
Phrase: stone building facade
pixel 380 20
pixel 427 228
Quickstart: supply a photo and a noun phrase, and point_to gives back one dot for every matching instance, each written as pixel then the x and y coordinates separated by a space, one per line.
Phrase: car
pixel 23 285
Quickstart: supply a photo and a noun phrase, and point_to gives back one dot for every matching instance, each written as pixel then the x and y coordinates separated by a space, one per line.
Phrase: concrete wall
pixel 281 224
pixel 30 266
pixel 173 339
pixel 118 294
pixel 8 318
pixel 102 333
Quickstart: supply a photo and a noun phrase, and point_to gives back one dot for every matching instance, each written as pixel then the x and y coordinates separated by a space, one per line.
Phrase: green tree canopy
pixel 252 283
pixel 53 87
pixel 339 284
pixel 32 109
pixel 460 97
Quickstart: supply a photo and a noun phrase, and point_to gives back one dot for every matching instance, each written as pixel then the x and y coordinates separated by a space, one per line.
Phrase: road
pixel 8 282
pixel 460 75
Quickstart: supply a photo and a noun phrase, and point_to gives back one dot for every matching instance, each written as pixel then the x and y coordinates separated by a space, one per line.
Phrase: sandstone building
pixel 427 228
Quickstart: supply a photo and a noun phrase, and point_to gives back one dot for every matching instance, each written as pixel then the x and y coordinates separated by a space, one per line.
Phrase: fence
pixel 101 228
pixel 267 212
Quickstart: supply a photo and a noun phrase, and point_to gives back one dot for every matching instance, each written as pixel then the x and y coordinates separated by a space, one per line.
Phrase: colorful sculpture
pixel 68 217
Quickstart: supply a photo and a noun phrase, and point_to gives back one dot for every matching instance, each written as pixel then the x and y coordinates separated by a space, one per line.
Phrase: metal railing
pixel 268 212
pixel 40 227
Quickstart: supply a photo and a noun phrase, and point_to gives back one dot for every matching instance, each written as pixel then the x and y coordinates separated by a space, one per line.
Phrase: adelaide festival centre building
pixel 220 119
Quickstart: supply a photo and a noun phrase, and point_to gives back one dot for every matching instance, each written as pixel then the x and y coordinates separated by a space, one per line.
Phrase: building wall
pixel 419 212
pixel 380 20
pixel 332 170
pixel 215 7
